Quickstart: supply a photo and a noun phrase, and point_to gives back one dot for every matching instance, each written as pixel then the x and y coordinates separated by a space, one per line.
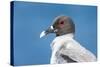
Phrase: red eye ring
pixel 62 22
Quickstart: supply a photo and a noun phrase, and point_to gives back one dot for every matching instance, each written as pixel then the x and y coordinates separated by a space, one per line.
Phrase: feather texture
pixel 65 49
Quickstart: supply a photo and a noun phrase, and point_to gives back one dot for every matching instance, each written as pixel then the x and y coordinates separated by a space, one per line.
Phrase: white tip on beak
pixel 52 27
pixel 42 34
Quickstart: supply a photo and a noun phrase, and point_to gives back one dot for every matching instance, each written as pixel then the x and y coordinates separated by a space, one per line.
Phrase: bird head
pixel 61 25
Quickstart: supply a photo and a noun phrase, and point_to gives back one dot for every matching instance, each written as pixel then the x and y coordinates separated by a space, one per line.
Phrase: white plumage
pixel 66 45
pixel 65 49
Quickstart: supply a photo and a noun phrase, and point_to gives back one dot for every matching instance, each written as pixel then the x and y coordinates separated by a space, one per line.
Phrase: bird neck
pixel 67 35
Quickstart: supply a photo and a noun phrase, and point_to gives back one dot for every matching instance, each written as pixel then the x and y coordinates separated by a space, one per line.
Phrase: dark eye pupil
pixel 62 22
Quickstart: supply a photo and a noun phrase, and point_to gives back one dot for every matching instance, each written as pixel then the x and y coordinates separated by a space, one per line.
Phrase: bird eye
pixel 62 22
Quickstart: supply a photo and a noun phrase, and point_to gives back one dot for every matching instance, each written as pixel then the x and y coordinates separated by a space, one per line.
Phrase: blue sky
pixel 30 19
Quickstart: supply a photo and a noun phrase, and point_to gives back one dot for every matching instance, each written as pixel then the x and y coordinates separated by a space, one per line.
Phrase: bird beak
pixel 49 30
